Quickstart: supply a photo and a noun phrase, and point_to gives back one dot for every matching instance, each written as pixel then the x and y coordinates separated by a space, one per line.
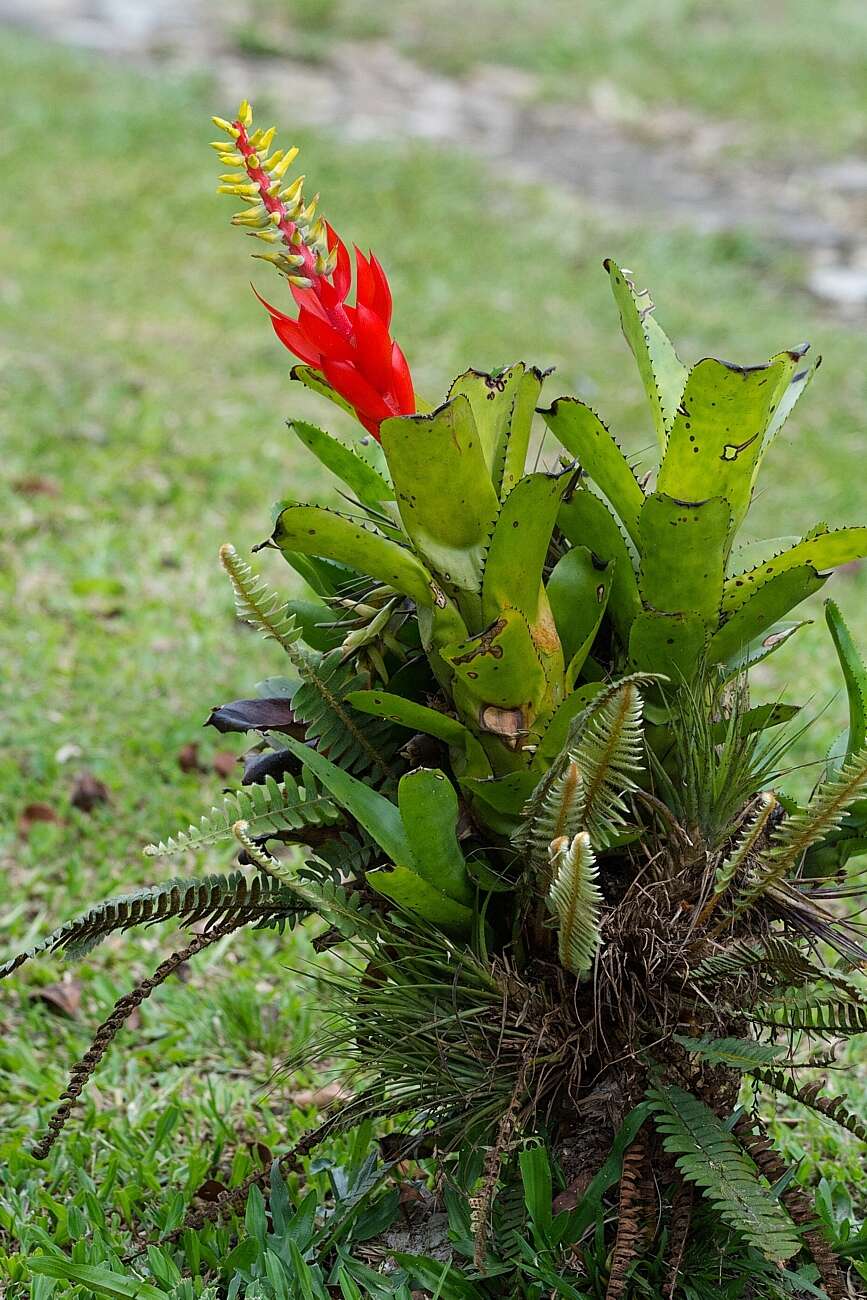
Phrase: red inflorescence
pixel 350 345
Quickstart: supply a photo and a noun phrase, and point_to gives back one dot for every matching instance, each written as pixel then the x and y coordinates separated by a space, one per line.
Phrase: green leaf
pixel 378 815
pixel 578 591
pixel 765 606
pixel 575 899
pixel 418 717
pixel 854 675
pixel 585 437
pixel 552 736
pixel 503 406
pixel 683 555
pixel 443 1281
pixel 102 1281
pixel 429 810
pixel 538 1191
pixel 314 530
pixel 735 1053
pixel 505 794
pixel 519 545
pixel 825 550
pixel 443 487
pixel 662 372
pixel 414 894
pixel 317 383
pixel 716 440
pixel 709 1155
pixel 500 666
pixel 369 487
pixel 585 520
pixel 761 647
pixel 667 643
pixel 796 386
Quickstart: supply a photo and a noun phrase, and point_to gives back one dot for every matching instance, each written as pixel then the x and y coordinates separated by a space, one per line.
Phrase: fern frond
pixel 575 900
pixel 709 1155
pixel 258 605
pixel 559 815
pixel 271 806
pixel 735 1053
pixel 210 900
pixel 833 1108
pixel 741 853
pixel 807 827
pixel 825 1014
pixel 355 743
pixel 609 753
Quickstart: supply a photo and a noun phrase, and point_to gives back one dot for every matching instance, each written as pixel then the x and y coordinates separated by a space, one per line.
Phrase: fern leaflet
pixel 833 1108
pixel 609 753
pixel 210 900
pixel 710 1156
pixel 271 806
pixel 575 900
pixel 735 1053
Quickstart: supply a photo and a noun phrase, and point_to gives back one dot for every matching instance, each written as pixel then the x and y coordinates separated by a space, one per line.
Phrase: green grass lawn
pixel 143 400
pixel 786 78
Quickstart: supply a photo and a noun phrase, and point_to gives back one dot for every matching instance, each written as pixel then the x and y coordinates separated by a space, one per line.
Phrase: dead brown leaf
pixel 224 763
pixel 211 1189
pixel 88 792
pixel 188 757
pixel 63 998
pixel 36 812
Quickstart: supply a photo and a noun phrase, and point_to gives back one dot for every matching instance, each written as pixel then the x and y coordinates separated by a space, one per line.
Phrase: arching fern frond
pixel 258 605
pixel 807 827
pixel 710 1156
pixel 357 743
pixel 833 1108
pixel 272 806
pixel 575 900
pixel 741 853
pixel 825 1014
pixel 735 1053
pixel 559 815
pixel 210 900
pixel 609 753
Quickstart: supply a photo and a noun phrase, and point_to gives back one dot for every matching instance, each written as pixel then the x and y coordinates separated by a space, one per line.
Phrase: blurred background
pixel 492 152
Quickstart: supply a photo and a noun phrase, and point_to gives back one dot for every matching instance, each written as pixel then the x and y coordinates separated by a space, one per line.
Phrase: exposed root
pixel 681 1219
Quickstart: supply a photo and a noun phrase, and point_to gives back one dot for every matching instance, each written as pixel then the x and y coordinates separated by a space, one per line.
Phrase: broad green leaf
pixel 672 644
pixel 364 482
pixel 715 442
pixel 552 736
pixel 504 794
pixel 683 555
pixel 788 398
pixel 501 665
pixel 585 520
pixel 378 815
pixel 766 605
pixel 313 530
pixel 429 811
pixel 854 675
pixel 418 717
pixel 317 383
pixel 101 1281
pixel 415 894
pixel 519 545
pixel 826 550
pixel 762 646
pixel 538 1190
pixel 315 619
pixel 443 487
pixel 760 718
pixel 586 438
pixel 662 372
pixel 503 406
pixel 747 555
pixel 444 1281
pixel 578 591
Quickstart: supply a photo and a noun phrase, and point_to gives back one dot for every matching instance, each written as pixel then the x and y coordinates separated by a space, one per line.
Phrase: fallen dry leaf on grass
pixel 63 998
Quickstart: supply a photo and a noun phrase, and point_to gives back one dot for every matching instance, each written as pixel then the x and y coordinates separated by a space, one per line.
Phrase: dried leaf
pixel 211 1190
pixel 36 812
pixel 88 791
pixel 63 998
pixel 272 714
pixel 224 763
pixel 188 757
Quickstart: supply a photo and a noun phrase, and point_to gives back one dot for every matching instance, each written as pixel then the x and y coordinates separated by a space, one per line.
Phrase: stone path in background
pixel 666 165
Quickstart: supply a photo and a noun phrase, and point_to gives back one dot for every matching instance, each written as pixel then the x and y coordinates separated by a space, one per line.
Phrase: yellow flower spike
pixel 280 168
pixel 292 191
pixel 266 139
pixel 233 178
pixel 297 238
pixel 232 159
pixel 245 113
pixel 225 126
pixel 242 191
pixel 275 218
pixel 269 236
pixel 252 217
pixel 273 160
pixel 220 145
pixel 300 281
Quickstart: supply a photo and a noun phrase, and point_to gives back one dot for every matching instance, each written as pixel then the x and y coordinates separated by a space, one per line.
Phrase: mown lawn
pixel 143 399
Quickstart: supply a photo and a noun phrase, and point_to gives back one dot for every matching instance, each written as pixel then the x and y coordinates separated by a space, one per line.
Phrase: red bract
pixel 349 345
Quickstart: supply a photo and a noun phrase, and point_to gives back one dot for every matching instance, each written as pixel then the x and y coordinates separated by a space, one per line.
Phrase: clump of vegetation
pixel 515 774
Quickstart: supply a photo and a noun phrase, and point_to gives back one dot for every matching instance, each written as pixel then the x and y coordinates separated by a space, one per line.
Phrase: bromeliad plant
pixel 520 775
